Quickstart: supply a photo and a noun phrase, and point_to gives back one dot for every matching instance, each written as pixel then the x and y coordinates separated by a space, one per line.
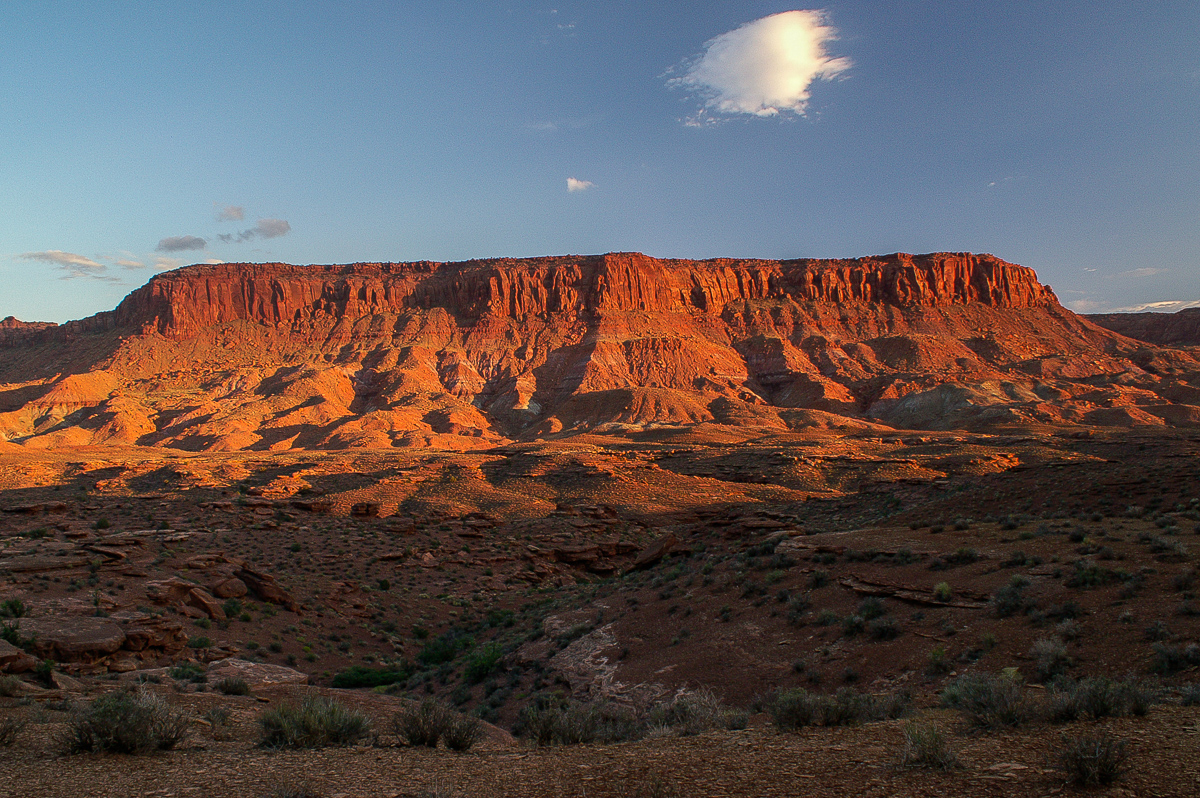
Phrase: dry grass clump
pixel 10 727
pixel 987 701
pixel 1093 759
pixel 695 713
pixel 432 721
pixel 797 708
pixel 577 722
pixel 925 746
pixel 316 722
pixel 124 723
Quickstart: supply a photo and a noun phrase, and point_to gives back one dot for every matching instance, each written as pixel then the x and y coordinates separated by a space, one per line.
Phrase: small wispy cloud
pixel 164 264
pixel 765 67
pixel 266 228
pixel 180 244
pixel 231 213
pixel 129 263
pixel 71 264
pixel 1144 272
pixel 578 185
pixel 1162 306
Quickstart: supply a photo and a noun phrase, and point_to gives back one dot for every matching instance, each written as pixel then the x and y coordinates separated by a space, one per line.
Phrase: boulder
pixel 73 638
pixel 14 660
pixel 256 674
pixel 230 588
pixel 264 588
pixel 654 552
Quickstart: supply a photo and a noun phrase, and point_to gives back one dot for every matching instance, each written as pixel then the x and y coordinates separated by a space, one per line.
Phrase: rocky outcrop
pixel 1164 329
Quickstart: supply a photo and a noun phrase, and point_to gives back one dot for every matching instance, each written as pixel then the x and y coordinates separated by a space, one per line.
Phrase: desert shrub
pixel 362 676
pixel 1172 659
pixel 797 708
pixel 233 685
pixel 941 591
pixel 987 701
pixel 188 672
pixel 293 789
pixel 431 721
pixel 1089 575
pixel 316 722
pixel 1189 696
pixel 10 686
pixel 884 628
pixel 1009 600
pixel 124 723
pixel 13 608
pixel 1093 760
pixel 1050 658
pixel 852 625
pixel 444 648
pixel 578 722
pixel 10 727
pixel 482 663
pixel 797 606
pixel 696 712
pixel 925 746
pixel 1095 698
pixel 871 608
pixel 200 641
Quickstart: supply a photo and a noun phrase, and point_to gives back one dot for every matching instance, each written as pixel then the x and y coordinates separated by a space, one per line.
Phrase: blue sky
pixel 136 137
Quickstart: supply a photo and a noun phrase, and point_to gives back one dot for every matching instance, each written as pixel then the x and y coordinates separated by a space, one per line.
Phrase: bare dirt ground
pixel 626 568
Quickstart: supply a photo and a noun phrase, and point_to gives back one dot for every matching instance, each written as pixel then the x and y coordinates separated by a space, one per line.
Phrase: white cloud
pixel 231 213
pixel 1162 306
pixel 180 244
pixel 1144 272
pixel 765 67
pixel 214 261
pixel 578 185
pixel 129 263
pixel 73 265
pixel 163 264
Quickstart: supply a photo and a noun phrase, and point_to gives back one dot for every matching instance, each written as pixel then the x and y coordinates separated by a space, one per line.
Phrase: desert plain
pixel 674 494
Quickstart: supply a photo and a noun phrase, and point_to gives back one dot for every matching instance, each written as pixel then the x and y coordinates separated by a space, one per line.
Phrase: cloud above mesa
pixel 72 265
pixel 180 244
pixel 574 184
pixel 764 68
pixel 266 228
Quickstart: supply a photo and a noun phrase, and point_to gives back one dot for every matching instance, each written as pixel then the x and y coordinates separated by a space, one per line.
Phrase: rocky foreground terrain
pixel 597 482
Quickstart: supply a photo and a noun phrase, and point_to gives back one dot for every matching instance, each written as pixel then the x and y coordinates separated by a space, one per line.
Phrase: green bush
pixel 444 648
pixel 361 676
pixel 200 641
pixel 233 685
pixel 13 608
pixel 942 592
pixel 10 686
pixel 483 663
pixel 124 723
pixel 316 722
pixel 188 672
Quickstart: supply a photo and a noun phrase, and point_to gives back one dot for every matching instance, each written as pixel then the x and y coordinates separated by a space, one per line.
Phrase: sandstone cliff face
pixel 1165 329
pixel 181 303
pixel 273 356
